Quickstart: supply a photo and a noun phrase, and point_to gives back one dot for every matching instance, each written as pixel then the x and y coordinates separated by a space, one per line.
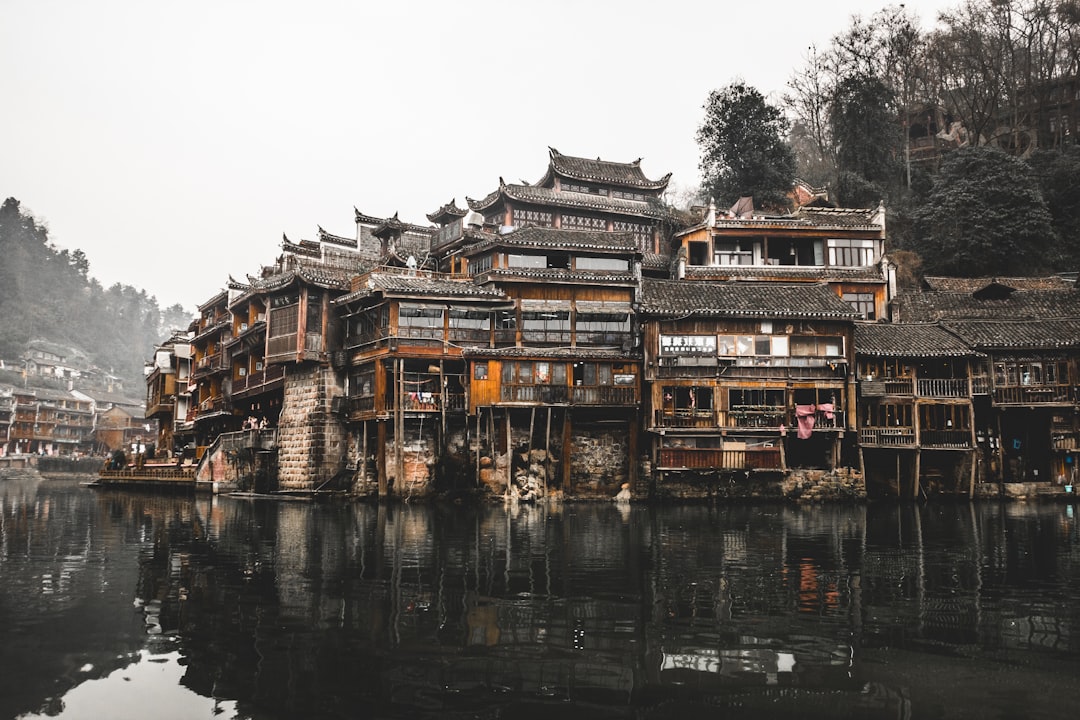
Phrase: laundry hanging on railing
pixel 804 417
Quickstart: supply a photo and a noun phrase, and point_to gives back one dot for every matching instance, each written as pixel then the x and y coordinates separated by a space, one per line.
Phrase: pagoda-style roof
pixel 604 172
pixel 422 286
pixel 544 196
pixel 552 238
pixel 1019 334
pixel 448 213
pixel 222 299
pixel 908 340
pixel 677 298
pixel 931 306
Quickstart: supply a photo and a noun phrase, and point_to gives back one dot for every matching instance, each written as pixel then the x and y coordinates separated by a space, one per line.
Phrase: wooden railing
pixel 756 416
pixel 256 380
pixel 361 404
pixel 562 395
pixel 887 386
pixel 1032 395
pixel 720 459
pixel 688 418
pixel 980 385
pixel 949 439
pixel 887 436
pixel 943 388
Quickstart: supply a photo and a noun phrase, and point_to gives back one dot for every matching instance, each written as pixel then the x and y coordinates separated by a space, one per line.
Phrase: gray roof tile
pixel 742 299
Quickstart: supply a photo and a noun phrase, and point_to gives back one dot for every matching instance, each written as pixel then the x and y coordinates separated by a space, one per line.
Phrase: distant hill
pixel 47 297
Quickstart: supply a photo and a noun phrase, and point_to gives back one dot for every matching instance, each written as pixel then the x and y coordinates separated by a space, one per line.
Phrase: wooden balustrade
pixel 1032 395
pixel 944 387
pixel 949 439
pixel 887 436
pixel 766 458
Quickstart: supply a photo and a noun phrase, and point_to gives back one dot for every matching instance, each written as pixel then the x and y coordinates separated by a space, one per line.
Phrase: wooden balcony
pixel 944 388
pixel 1033 395
pixel 563 395
pixel 756 416
pixel 887 386
pixel 720 459
pixel 887 436
pixel 688 418
pixel 259 382
pixel 945 439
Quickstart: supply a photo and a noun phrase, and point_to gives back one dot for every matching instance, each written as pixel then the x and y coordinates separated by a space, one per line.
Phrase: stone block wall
pixel 599 460
pixel 311 439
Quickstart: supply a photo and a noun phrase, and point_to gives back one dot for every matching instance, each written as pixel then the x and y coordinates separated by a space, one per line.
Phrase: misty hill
pixel 47 295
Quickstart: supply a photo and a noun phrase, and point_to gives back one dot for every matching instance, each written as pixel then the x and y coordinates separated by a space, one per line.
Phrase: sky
pixel 176 142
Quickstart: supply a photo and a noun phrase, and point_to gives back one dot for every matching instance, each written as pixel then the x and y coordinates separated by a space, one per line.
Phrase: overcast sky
pixel 175 142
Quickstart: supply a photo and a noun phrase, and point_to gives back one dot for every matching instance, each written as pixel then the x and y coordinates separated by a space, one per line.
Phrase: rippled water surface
pixel 121 605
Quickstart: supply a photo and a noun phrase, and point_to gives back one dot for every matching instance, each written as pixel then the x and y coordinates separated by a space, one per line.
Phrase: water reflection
pixel 232 608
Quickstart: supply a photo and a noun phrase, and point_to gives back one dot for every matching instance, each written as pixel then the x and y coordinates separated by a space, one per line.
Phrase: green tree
pixel 984 215
pixel 869 140
pixel 1059 177
pixel 743 148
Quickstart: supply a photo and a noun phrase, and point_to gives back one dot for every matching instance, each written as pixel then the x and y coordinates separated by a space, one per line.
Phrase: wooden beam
pixel 380 457
pixel 915 480
pixel 566 430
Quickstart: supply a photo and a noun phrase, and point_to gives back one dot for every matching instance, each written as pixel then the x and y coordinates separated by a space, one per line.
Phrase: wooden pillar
pixel 399 422
pixel 633 450
pixel 547 450
pixel 973 456
pixel 566 431
pixel 477 441
pixel 509 450
pixel 915 479
pixel 363 451
pixel 442 406
pixel 380 457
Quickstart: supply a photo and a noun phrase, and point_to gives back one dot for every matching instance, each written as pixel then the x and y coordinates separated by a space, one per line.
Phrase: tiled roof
pixel 1026 334
pixel 543 237
pixel 550 353
pixel 371 220
pixel 655 261
pixel 742 299
pixel 908 340
pixel 602 171
pixel 794 273
pixel 557 275
pixel 805 218
pixel 547 196
pixel 970 285
pixel 401 284
pixel 335 239
pixel 931 306
pixel 447 212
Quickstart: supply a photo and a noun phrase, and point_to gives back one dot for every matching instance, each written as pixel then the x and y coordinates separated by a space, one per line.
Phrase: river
pixel 133 605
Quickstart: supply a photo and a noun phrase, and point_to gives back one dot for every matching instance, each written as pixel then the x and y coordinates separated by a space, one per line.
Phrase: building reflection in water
pixel 598 610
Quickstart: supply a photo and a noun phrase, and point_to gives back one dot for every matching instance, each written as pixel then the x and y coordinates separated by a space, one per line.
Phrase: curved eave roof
pixel 601 171
pixel 422 287
pixel 447 213
pixel 678 298
pixel 535 195
pixel 551 238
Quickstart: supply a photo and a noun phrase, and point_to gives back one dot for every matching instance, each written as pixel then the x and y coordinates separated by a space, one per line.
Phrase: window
pixel 420 321
pixel 733 253
pixel 815 346
pixel 480 264
pixel 862 302
pixel 605 263
pixel 753 345
pixel 601 328
pixel 642 233
pixel 472 325
pixel 592 374
pixel 283 320
pixel 851 253
pixel 526 261
pixel 539 218
pixel 583 222
pixel 480 371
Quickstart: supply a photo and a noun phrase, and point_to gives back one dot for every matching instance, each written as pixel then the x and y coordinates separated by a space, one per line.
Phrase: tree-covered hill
pixel 47 294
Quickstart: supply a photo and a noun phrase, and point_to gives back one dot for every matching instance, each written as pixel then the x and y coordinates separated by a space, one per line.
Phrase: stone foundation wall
pixel 803 485
pixel 311 440
pixel 599 460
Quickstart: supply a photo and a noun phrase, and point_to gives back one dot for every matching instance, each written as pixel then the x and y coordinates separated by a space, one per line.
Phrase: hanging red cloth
pixel 804 417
